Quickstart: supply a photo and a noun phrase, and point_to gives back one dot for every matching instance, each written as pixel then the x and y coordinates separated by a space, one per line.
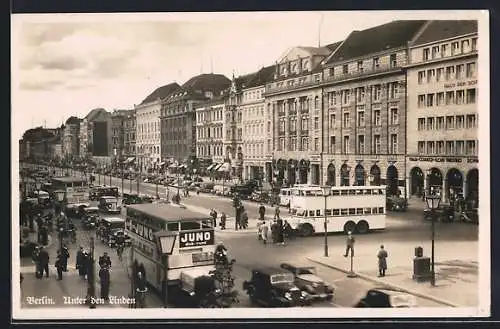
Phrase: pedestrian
pixel 36 260
pixel 264 232
pixel 279 228
pixel 105 260
pixel 213 214
pixel 244 220
pixel 274 231
pixel 86 264
pixel 59 265
pixel 382 261
pixel 80 265
pixel 262 211
pixel 44 262
pixel 64 258
pixel 104 281
pixel 277 212
pixel 349 244
pixel 223 219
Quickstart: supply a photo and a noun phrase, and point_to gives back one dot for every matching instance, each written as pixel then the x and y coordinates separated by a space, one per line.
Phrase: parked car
pixel 90 218
pixel 109 204
pixel 386 297
pixel 75 210
pixel 445 213
pixel 206 187
pixel 260 196
pixel 307 280
pixel 274 287
pixel 396 203
pixel 115 233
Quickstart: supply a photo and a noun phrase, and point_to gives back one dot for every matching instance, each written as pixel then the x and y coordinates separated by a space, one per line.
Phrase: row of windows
pixel 361 145
pixel 252 112
pixel 339 192
pixel 256 129
pixel 449 122
pixel 207 132
pixel 214 115
pixel 360 118
pixel 297 144
pixel 147 136
pixel 447 147
pixel 303 104
pixel 148 127
pixel 362 65
pixel 344 212
pixel 360 94
pixel 457 72
pixel 210 150
pixel 295 66
pixel 445 50
pixel 452 97
pixel 293 124
pixel 148 149
pixel 253 150
pixel 249 95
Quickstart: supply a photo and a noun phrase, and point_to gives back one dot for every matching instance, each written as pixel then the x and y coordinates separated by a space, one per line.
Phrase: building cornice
pixel 441 60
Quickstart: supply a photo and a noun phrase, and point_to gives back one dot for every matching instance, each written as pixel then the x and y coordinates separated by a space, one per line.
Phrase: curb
pixel 394 286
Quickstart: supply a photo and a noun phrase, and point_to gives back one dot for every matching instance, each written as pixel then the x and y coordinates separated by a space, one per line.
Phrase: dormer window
pixel 294 68
pixel 305 65
pixel 376 63
pixel 360 66
pixel 344 69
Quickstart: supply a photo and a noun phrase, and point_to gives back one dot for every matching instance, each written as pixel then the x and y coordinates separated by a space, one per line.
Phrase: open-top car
pixel 275 287
pixel 307 280
pixel 386 297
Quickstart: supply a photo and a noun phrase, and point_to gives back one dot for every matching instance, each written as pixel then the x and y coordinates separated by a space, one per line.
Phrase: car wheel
pixel 306 230
pixel 350 226
pixel 362 227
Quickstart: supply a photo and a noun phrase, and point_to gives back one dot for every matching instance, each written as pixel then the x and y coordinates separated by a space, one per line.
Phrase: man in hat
pixel 80 265
pixel 349 244
pixel 44 258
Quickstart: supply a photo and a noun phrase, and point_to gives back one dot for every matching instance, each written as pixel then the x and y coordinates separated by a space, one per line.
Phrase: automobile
pixel 107 226
pixel 131 199
pixel 260 196
pixel 26 248
pixel 75 210
pixel 274 287
pixel 206 187
pixel 444 213
pixel 396 203
pixel 113 235
pixel 90 218
pixel 109 204
pixel 386 297
pixel 197 288
pixel 43 199
pixel 307 280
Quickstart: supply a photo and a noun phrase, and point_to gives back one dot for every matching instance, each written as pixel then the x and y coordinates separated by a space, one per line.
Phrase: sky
pixel 69 64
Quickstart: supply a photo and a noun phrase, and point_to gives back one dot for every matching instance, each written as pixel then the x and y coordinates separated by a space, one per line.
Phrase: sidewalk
pixel 456 280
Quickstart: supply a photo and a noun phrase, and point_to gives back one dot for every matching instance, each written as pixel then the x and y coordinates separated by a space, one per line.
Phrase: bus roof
pixel 168 212
pixel 354 187
pixel 113 219
pixel 70 179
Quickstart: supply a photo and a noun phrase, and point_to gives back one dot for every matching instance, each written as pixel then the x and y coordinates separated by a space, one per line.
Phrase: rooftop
pixel 94 113
pixel 162 92
pixel 207 82
pixel 445 29
pixel 261 77
pixel 167 212
pixel 392 35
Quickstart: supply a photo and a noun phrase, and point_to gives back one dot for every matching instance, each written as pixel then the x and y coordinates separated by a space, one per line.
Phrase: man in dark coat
pixel 36 260
pixel 279 231
pixel 44 262
pixel 104 280
pixel 105 260
pixel 262 211
pixel 64 258
pixel 87 264
pixel 59 265
pixel 80 265
pixel 382 261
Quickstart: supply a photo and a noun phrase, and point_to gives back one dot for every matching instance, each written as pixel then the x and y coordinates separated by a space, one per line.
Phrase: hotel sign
pixel 445 159
pixel 461 84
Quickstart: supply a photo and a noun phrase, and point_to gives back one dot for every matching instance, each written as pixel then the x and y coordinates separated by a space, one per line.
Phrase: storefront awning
pixel 216 166
pixel 182 166
pixel 173 165
pixel 128 160
pixel 224 167
pixel 161 163
pixel 211 166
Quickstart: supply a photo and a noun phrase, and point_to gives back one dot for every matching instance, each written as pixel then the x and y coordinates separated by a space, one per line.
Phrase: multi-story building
pixel 210 131
pixel 364 107
pixel 178 116
pixel 129 132
pixel 293 100
pixel 71 138
pixel 442 142
pixel 118 118
pixel 255 125
pixel 95 136
pixel 148 135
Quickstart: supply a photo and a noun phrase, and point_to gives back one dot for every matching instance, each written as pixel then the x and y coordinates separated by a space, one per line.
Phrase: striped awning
pixel 211 166
pixel 217 166
pixel 173 165
pixel 224 167
pixel 182 166
pixel 161 163
pixel 128 160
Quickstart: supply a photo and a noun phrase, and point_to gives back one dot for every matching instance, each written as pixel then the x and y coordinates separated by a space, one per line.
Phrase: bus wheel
pixel 350 226
pixel 362 227
pixel 306 230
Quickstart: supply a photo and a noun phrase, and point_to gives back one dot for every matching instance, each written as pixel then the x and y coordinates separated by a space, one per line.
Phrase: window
pixel 376 144
pixel 393 90
pixel 376 63
pixel 332 98
pixel 316 102
pixel 305 124
pixel 421 77
pixel 466 46
pixel 394 116
pixel 459 147
pixel 471 121
pixel 332 120
pixel 293 144
pixel 332 144
pixel 421 123
pixel 346 97
pixel 346 144
pixel 460 71
pixel 439 74
pixel 360 94
pixel 450 122
pixel 393 61
pixel 281 144
pixel 430 100
pixel 376 118
pixel 455 48
pixel 346 120
pixel 421 101
pixel 282 125
pixel 426 54
pixel 439 147
pixel 470 148
pixel 345 69
pixel 421 147
pixel 361 144
pixel 316 144
pixel 470 70
pixel 460 97
pixel 444 50
pixel 394 144
pixel 439 123
pixel 460 122
pixel 431 75
pixel 474 44
pixel 316 122
pixel 435 52
pixel 361 118
pixel 440 99
pixel 360 66
pixel 450 97
pixel 450 73
pixel 377 90
pixel 471 96
pixel 268 127
pixel 450 147
pixel 430 148
pixel 430 123
pixel 305 143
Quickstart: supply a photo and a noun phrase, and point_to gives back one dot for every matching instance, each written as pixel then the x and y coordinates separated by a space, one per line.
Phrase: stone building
pixel 71 138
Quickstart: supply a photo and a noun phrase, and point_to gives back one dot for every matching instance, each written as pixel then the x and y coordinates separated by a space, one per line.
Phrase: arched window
pixel 316 102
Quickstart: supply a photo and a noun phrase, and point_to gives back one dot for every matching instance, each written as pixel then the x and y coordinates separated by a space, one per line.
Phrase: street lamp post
pixel 122 176
pixel 90 277
pixel 326 189
pixel 166 243
pixel 433 203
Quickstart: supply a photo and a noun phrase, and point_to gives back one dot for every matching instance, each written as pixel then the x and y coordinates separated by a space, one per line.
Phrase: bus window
pixel 335 193
pixel 368 192
pixel 173 227
pixel 318 212
pixel 343 212
pixel 352 192
pixel 328 212
pixel 368 211
pixel 381 210
pixel 352 211
pixel 374 211
pixel 187 226
pixel 336 212
pixel 359 211
pixel 311 213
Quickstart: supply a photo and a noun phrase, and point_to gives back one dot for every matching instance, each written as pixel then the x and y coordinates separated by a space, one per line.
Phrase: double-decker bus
pixel 76 188
pixel 193 250
pixel 348 209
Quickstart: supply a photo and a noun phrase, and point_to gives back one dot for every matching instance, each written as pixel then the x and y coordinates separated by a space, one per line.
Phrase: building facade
pixel 95 136
pixel 118 118
pixel 293 100
pixel 129 132
pixel 442 154
pixel 71 138
pixel 148 143
pixel 210 131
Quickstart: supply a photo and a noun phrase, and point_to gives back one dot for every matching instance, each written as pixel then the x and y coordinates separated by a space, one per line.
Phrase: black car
pixel 386 297
pixel 275 287
pixel 197 289
pixel 395 203
pixel 444 213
